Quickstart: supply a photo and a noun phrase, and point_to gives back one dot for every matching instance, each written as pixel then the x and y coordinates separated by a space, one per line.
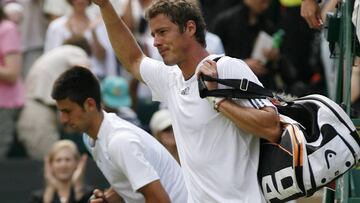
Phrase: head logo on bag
pixel 319 142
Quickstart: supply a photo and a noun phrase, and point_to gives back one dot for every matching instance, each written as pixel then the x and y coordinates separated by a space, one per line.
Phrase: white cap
pixel 160 121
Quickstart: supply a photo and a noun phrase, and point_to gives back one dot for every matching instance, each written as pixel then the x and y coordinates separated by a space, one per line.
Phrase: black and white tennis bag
pixel 319 142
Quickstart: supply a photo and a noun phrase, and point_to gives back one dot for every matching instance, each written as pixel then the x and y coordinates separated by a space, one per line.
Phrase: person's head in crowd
pixel 64 170
pixel 14 12
pixel 115 93
pixel 78 98
pixel 63 159
pixel 185 15
pixel 257 6
pixel 79 3
pixel 79 41
pixel 161 128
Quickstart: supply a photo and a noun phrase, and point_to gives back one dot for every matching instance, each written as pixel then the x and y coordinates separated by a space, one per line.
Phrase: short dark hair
pixel 79 41
pixel 180 12
pixel 77 84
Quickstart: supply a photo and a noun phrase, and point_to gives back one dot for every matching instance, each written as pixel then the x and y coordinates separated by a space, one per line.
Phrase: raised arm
pixel 122 40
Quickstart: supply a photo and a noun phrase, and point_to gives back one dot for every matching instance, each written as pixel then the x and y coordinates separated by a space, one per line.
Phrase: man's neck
pixel 95 125
pixel 188 66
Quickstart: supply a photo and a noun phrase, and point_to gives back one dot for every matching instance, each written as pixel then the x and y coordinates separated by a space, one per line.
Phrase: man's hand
pixel 109 196
pixel 112 197
pixel 209 68
pixel 311 12
pixel 98 197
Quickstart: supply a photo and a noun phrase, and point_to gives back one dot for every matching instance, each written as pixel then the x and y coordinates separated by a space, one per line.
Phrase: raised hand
pixel 310 11
pixel 209 68
pixel 50 179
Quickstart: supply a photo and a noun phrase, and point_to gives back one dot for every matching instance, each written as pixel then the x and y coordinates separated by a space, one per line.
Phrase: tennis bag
pixel 319 142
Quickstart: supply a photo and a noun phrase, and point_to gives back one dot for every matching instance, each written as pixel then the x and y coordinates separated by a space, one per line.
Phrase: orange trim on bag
pixel 297 143
pixel 301 148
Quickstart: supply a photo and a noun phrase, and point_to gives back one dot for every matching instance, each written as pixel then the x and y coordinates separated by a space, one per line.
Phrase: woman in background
pixel 63 173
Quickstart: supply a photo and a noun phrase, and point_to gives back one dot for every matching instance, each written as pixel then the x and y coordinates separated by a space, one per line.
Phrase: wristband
pixel 216 101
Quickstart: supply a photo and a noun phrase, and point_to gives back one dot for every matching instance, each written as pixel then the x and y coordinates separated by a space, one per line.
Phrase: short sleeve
pixel 156 76
pixel 128 154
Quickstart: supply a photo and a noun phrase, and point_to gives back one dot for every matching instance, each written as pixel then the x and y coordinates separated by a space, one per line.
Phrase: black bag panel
pixel 278 166
pixel 304 113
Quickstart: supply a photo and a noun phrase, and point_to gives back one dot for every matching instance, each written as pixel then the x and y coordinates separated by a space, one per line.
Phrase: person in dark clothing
pixel 210 8
pixel 239 28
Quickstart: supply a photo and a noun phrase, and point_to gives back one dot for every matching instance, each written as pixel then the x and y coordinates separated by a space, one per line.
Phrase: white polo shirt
pixel 130 158
pixel 219 160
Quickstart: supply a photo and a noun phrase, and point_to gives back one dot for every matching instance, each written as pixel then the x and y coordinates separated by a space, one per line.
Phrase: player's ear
pixel 190 27
pixel 90 104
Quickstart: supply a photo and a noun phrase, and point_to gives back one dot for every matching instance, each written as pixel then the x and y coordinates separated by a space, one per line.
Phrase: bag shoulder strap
pixel 241 88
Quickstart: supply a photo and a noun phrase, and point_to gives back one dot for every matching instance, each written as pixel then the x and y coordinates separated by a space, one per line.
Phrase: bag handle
pixel 242 88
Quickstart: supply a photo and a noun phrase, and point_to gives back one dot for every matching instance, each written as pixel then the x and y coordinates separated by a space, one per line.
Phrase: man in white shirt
pixel 137 166
pixel 218 148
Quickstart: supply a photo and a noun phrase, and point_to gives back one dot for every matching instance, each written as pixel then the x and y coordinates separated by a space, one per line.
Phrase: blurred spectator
pixel 311 12
pixel 11 86
pixel 301 46
pixel 79 23
pixel 64 171
pixel 161 128
pixel 239 28
pixel 33 29
pixel 210 8
pixel 54 9
pixel 14 12
pixel 116 98
pixel 39 134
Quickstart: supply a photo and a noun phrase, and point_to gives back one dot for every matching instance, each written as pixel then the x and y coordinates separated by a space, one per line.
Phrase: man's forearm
pixel 264 123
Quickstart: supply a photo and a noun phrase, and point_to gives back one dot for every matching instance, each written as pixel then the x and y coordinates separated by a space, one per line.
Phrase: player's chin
pixel 169 62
